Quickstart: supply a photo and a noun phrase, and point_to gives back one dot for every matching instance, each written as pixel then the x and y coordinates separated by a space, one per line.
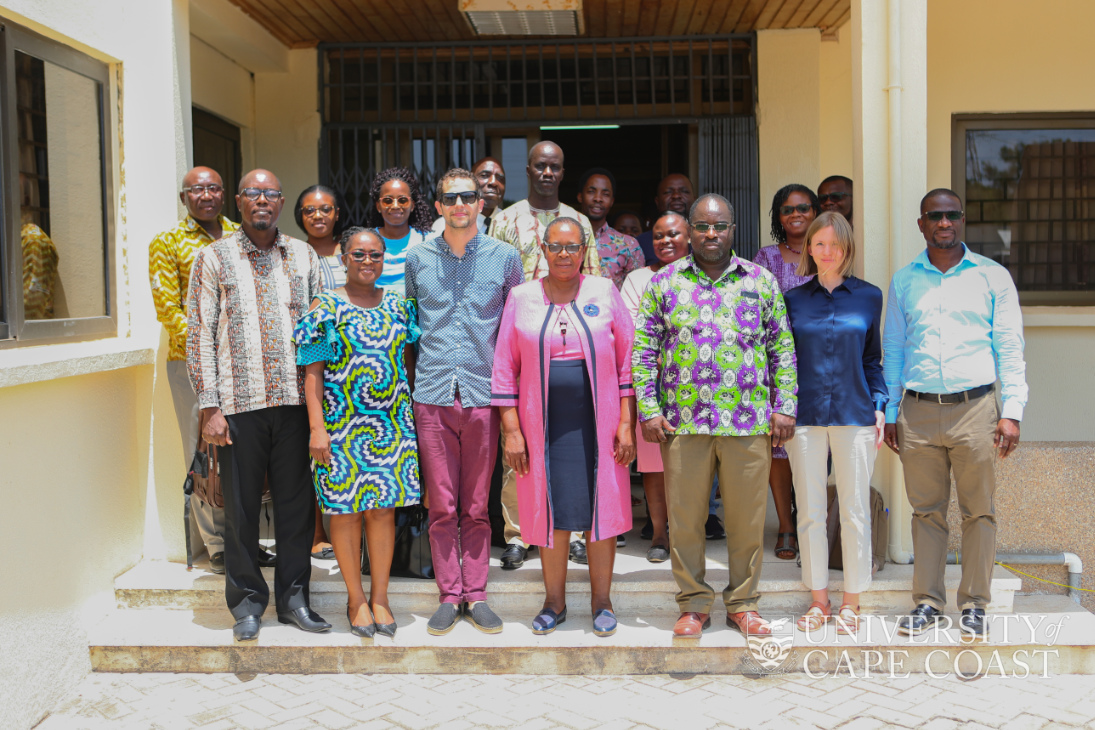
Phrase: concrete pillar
pixel 889 100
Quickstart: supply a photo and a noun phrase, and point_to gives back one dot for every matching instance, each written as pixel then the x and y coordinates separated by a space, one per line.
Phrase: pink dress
pixel 770 258
pixel 648 454
pixel 603 327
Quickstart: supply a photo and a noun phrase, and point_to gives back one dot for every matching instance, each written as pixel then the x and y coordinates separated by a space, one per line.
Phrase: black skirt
pixel 572 446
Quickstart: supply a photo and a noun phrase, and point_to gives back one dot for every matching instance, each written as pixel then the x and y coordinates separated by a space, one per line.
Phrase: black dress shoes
pixel 216 563
pixel 919 620
pixel 267 560
pixel 578 553
pixel 714 528
pixel 247 628
pixel 972 625
pixel 514 557
pixel 305 619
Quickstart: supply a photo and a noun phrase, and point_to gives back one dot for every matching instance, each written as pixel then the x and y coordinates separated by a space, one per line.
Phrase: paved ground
pixel 329 702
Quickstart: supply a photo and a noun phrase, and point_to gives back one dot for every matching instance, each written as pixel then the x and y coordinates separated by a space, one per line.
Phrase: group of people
pixel 389 365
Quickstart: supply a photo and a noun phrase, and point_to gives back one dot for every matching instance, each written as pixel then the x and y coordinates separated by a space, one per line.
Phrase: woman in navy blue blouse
pixel 841 408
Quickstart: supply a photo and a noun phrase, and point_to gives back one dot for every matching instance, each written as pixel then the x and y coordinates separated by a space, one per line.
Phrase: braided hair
pixel 778 234
pixel 420 218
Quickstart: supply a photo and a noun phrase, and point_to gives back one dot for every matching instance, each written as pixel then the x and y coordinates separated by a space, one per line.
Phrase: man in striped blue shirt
pixel 953 329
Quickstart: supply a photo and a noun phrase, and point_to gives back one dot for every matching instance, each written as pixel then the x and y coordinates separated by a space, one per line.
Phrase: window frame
pixel 15 330
pixel 962 123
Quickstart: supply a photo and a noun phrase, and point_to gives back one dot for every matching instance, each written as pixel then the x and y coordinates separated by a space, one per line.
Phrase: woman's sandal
pixel 785 538
pixel 847 620
pixel 815 617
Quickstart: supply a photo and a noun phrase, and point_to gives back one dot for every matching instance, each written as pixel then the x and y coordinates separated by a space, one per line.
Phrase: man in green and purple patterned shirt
pixel 726 392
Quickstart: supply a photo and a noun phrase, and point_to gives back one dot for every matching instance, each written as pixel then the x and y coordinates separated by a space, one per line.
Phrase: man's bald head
pixel 545 147
pixel 202 194
pixel 675 193
pixel 491 177
pixel 260 213
pixel 260 179
pixel 711 203
pixel 545 172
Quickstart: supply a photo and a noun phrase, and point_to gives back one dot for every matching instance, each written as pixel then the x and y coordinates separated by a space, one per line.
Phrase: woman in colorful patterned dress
pixel 353 344
pixel 794 208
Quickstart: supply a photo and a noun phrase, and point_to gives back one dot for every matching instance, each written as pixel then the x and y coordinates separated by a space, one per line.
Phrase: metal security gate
pixel 728 166
pixel 429 107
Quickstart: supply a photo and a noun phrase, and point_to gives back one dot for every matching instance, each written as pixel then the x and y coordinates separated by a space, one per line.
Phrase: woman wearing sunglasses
pixel 562 381
pixel 320 213
pixel 794 208
pixel 401 216
pixel 353 344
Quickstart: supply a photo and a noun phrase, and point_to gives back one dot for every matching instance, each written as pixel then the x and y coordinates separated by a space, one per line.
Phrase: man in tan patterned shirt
pixel 247 292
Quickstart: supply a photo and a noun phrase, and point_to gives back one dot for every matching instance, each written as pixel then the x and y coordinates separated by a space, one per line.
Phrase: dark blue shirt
pixel 839 352
pixel 646 243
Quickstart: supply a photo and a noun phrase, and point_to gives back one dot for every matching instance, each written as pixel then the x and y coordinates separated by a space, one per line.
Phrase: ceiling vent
pixel 524 17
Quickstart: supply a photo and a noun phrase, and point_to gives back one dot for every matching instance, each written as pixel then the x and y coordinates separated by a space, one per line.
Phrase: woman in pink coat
pixel 562 381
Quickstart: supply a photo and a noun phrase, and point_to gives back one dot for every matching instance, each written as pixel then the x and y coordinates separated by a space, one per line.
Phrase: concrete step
pixel 1048 635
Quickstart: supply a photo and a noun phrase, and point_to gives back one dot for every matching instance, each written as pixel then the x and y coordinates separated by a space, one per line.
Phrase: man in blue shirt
pixel 953 328
pixel 460 281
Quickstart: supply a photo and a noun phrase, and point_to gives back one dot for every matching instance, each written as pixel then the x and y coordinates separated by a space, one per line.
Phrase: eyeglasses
pixel 199 190
pixel 801 208
pixel 358 255
pixel 253 194
pixel 389 201
pixel 311 210
pixel 937 215
pixel 720 227
pixel 835 197
pixel 467 198
pixel 559 247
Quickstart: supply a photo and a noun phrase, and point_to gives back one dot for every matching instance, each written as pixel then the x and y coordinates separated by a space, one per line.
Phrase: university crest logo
pixel 770 652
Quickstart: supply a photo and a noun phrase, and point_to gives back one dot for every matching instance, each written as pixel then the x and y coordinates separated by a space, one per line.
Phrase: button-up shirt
pixel 522 227
pixel 727 349
pixel 170 258
pixel 839 351
pixel 460 302
pixel 950 332
pixel 620 254
pixel 243 306
pixel 39 272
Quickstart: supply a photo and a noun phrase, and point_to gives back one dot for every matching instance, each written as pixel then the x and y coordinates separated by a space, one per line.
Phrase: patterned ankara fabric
pixel 620 254
pixel 728 350
pixel 170 258
pixel 39 272
pixel 523 227
pixel 459 303
pixel 242 308
pixel 366 402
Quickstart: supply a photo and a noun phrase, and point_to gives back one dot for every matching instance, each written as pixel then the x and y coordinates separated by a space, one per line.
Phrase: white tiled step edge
pixel 166 640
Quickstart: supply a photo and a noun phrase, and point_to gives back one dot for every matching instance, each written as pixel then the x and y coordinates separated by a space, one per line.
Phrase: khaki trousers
pixel 512 531
pixel 742 464
pixel 935 440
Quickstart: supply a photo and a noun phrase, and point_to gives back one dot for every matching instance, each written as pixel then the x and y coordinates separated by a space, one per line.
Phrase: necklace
pixel 791 249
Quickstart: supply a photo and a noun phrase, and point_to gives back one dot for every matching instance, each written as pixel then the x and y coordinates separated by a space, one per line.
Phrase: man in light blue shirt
pixel 953 329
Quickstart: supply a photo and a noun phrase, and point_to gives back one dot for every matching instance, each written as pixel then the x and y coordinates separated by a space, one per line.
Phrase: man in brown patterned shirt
pixel 247 292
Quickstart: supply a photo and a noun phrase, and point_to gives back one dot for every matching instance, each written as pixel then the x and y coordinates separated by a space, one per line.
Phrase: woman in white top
pixel 401 216
pixel 321 213
pixel 670 244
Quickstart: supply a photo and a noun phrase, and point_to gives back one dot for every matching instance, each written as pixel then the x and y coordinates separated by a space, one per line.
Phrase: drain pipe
pixel 1072 560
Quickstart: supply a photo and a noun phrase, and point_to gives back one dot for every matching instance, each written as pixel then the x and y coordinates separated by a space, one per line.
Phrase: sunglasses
pixel 937 215
pixel 311 210
pixel 835 197
pixel 719 227
pixel 199 190
pixel 801 208
pixel 559 247
pixel 389 201
pixel 253 194
pixel 467 198
pixel 358 255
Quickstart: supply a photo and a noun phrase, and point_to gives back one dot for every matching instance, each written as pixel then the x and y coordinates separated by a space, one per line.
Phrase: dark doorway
pixel 217 145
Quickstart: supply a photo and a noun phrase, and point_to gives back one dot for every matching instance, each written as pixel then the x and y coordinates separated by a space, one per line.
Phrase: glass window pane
pixel 60 186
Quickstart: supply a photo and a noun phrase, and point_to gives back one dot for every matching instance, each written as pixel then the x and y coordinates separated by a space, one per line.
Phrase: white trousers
pixel 854 454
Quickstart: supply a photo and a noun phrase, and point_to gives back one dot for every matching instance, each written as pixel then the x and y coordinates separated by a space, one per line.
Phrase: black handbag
pixel 412 557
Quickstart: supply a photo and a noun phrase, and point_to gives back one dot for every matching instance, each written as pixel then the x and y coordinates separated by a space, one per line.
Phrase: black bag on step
pixel 412 557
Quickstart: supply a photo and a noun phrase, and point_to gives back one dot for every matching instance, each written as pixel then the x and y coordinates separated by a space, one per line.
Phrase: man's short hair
pixel 596 171
pixel 836 178
pixel 709 196
pixel 565 220
pixel 937 193
pixel 456 173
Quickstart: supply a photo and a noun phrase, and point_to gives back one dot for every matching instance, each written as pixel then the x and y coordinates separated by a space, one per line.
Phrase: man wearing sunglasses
pixel 953 329
pixel 835 194
pixel 492 186
pixel 459 281
pixel 247 292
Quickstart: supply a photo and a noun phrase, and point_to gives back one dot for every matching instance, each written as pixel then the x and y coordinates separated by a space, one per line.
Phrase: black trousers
pixel 274 442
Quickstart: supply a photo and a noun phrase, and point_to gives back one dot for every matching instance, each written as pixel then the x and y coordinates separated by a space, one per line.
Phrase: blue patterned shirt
pixel 460 302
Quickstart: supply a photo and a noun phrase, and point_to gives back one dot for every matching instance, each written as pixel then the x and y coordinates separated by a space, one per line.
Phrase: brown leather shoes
pixel 691 624
pixel 749 623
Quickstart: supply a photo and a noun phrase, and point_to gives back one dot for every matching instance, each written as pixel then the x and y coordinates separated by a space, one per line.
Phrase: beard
pixel 262 225
pixel 946 245
pixel 712 257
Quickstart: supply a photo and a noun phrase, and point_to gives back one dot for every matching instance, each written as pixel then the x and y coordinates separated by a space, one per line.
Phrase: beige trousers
pixel 742 464
pixel 935 441
pixel 854 452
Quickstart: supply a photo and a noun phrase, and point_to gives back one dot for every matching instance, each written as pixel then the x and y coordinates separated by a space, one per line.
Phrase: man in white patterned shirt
pixel 247 292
